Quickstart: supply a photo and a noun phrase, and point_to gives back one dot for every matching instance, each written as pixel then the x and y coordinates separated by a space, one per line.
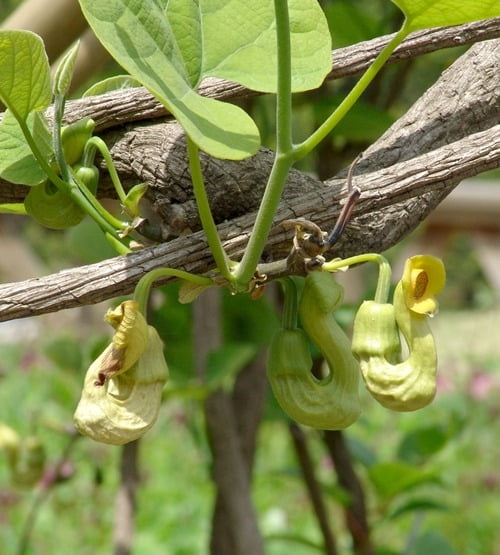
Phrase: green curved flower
pixel 411 384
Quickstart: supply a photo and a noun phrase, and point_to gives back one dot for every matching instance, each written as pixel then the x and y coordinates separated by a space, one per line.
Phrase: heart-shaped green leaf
pixel 25 74
pixel 139 37
pixel 421 14
pixel 171 46
pixel 237 41
pixel 17 163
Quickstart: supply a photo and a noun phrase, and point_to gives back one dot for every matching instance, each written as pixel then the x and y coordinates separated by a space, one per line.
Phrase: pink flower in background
pixel 481 384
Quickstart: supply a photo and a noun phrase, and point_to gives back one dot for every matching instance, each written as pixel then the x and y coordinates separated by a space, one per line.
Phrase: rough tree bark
pixel 451 132
pixel 234 525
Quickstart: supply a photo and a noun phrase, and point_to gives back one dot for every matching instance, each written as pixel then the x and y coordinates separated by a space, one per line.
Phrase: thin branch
pixel 237 533
pixel 315 494
pixel 126 499
pixel 356 517
pixel 234 525
pixel 249 401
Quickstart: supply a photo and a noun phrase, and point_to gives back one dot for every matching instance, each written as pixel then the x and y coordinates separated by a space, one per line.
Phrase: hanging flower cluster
pixel 122 390
pixel 376 351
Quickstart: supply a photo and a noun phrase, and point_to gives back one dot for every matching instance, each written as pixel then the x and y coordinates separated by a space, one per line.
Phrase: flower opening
pixel 423 278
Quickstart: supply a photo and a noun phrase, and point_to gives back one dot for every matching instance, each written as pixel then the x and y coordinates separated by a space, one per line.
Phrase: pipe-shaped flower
pixel 411 384
pixel 122 391
pixel 331 403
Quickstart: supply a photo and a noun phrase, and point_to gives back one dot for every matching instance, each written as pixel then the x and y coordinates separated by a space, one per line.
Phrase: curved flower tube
pixel 411 384
pixel 122 391
pixel 330 403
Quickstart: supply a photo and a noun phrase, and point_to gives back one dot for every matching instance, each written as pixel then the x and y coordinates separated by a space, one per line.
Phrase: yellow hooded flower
pixel 123 387
pixel 423 278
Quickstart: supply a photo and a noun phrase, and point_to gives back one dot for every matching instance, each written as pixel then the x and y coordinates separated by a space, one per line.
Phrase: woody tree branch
pixel 451 132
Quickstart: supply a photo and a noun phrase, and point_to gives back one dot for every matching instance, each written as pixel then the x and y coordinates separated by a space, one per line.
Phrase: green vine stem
pixel 283 161
pixel 96 143
pixel 59 101
pixel 143 287
pixel 207 221
pixel 115 223
pixel 290 303
pixel 384 276
pixel 302 149
pixel 286 152
pixel 13 208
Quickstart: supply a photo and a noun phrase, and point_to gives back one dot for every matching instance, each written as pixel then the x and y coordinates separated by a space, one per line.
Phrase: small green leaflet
pixel 25 74
pixel 64 72
pixel 17 163
pixel 393 478
pixel 111 84
pixel 25 90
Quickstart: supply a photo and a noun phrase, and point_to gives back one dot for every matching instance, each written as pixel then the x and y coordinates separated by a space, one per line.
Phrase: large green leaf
pixel 422 443
pixel 236 40
pixel 139 37
pixel 24 73
pixel 17 163
pixel 421 14
pixel 393 478
pixel 171 46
